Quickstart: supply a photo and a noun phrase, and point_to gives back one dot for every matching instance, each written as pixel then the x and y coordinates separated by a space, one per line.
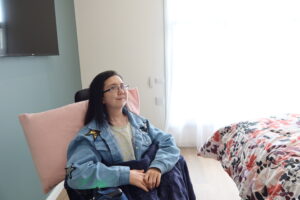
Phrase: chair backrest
pixel 82 95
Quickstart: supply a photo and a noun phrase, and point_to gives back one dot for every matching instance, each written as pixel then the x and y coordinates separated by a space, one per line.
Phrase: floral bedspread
pixel 262 157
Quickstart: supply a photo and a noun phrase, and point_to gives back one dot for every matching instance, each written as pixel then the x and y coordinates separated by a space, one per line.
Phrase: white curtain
pixel 228 61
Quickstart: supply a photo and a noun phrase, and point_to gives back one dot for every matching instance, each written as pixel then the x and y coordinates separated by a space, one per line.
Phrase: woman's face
pixel 115 93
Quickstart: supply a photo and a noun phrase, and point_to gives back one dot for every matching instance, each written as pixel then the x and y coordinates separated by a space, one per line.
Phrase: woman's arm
pixel 86 171
pixel 167 154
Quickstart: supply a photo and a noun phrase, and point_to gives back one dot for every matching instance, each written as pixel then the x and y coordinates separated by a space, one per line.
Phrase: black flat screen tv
pixel 28 28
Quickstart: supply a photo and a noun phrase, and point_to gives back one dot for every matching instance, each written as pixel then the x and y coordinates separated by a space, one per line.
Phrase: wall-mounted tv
pixel 28 28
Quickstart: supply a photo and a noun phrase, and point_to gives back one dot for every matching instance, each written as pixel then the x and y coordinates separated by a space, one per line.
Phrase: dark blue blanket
pixel 174 185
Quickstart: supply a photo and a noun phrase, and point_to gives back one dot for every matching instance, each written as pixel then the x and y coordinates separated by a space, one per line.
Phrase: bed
pixel 261 156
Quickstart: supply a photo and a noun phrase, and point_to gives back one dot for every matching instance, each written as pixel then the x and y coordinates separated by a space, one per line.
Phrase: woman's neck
pixel 117 118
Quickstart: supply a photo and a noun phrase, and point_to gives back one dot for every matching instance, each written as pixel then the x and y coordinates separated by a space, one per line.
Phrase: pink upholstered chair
pixel 49 133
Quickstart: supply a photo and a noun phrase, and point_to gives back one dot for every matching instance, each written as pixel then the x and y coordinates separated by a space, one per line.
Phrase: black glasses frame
pixel 118 87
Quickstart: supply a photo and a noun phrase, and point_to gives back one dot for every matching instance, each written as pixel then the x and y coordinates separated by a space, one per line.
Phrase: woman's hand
pixel 152 178
pixel 136 178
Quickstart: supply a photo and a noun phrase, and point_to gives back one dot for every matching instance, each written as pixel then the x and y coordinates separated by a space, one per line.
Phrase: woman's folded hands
pixel 146 181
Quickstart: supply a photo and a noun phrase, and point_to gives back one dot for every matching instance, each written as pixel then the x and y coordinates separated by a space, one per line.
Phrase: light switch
pixel 159 101
pixel 158 80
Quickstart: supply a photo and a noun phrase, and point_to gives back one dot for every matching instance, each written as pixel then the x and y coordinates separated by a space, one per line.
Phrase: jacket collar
pixel 94 125
pixel 135 121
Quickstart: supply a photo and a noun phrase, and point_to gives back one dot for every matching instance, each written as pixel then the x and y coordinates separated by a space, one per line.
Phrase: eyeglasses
pixel 116 88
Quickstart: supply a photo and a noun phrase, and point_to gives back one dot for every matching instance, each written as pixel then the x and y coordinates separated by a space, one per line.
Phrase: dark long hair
pixel 96 109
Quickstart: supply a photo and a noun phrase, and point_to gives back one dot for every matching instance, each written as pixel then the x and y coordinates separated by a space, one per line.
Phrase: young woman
pixel 112 135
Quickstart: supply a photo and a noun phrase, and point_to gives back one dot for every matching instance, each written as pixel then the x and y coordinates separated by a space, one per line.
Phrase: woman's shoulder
pixel 87 130
pixel 80 136
pixel 136 118
pixel 83 130
pixel 78 140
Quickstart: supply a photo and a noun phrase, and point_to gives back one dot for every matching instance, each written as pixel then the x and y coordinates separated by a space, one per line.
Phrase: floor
pixel 209 179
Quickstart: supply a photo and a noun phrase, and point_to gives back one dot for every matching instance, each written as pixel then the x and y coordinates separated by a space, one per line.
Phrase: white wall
pixel 126 36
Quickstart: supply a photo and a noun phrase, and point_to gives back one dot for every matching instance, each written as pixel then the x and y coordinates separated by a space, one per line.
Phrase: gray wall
pixel 34 84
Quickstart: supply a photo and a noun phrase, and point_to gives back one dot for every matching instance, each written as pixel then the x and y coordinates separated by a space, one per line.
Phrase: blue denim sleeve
pixel 168 153
pixel 86 171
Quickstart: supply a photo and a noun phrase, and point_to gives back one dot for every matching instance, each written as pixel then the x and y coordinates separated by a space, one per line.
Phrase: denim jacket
pixel 94 149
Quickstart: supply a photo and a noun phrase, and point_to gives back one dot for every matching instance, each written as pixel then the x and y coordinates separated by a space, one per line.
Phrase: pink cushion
pixel 134 100
pixel 49 133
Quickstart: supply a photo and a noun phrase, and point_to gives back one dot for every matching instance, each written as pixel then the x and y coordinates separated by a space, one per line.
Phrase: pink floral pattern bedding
pixel 262 157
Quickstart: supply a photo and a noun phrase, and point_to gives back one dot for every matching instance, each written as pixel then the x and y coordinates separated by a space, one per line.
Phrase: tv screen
pixel 28 28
